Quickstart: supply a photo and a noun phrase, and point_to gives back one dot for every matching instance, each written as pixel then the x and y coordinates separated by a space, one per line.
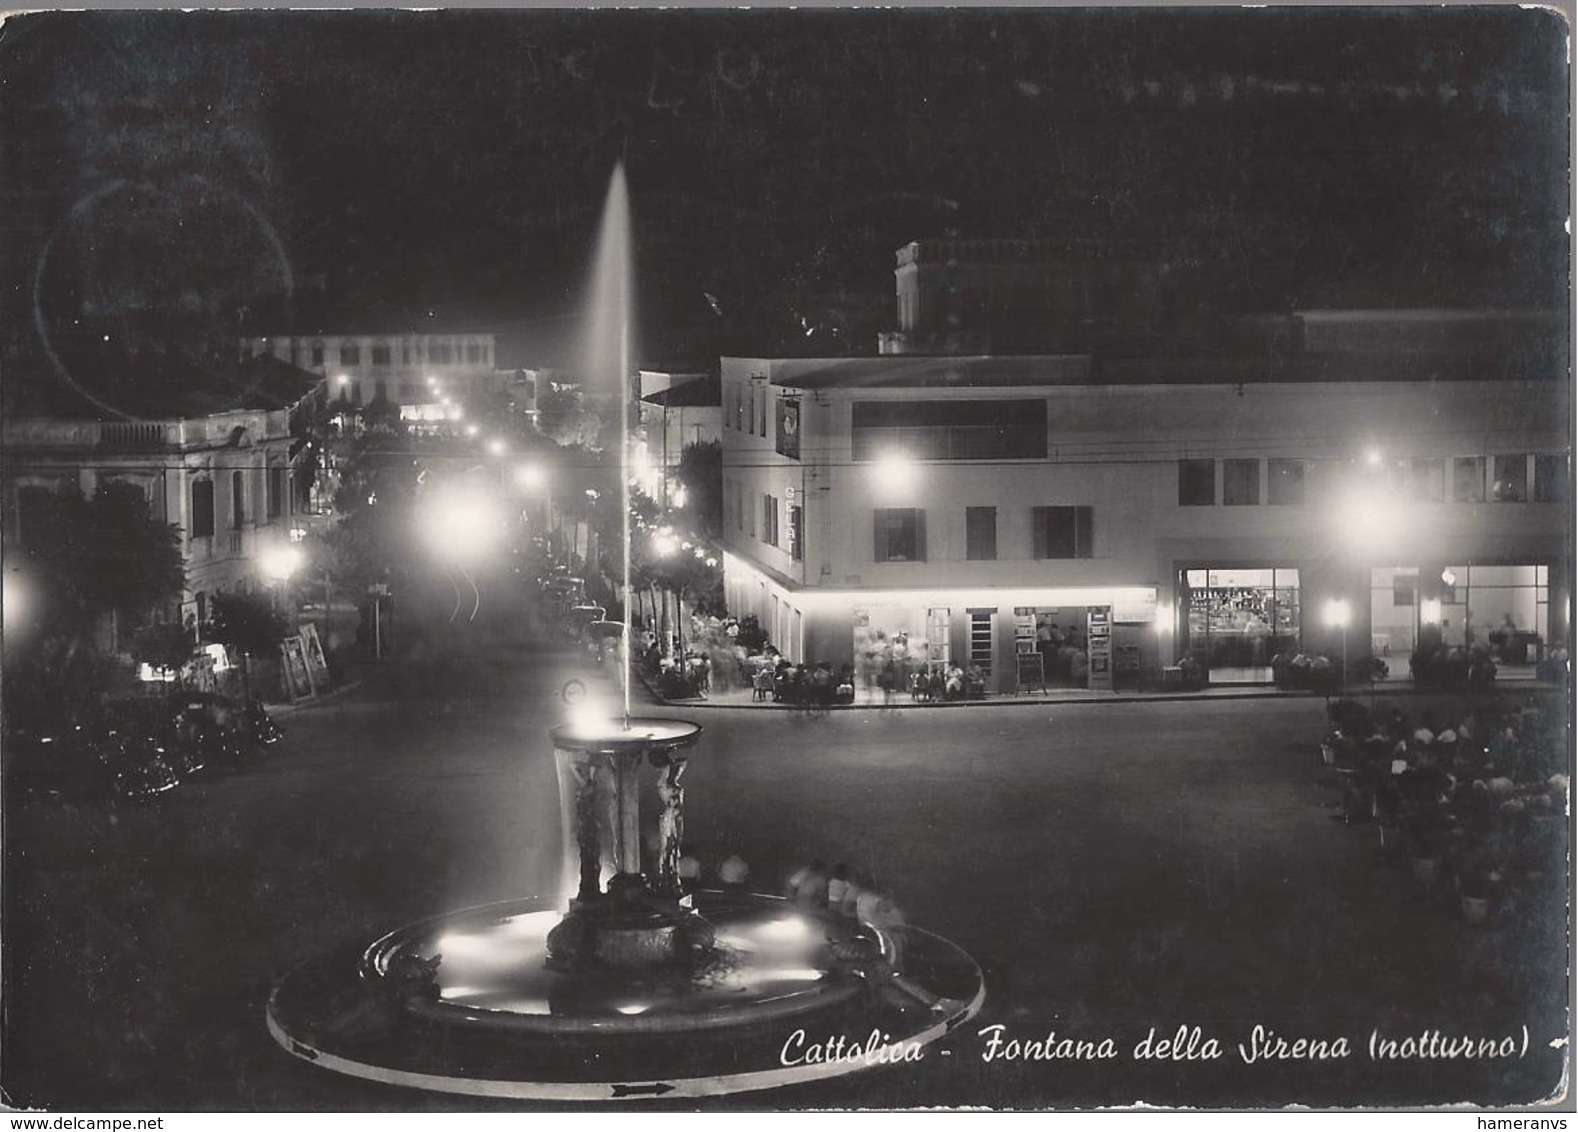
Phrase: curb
pixel 316 701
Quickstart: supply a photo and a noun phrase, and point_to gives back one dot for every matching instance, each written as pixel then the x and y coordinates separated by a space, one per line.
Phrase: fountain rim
pixel 616 736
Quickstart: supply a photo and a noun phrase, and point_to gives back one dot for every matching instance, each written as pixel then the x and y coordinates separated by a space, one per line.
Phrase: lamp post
pixel 1336 614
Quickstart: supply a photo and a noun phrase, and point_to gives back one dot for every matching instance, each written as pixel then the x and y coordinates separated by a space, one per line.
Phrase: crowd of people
pixel 1476 805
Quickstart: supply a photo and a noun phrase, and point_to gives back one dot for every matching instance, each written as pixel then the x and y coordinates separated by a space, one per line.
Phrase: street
pixel 1114 869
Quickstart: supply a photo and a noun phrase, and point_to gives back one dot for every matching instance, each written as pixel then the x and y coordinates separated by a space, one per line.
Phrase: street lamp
pixel 1336 614
pixel 893 473
pixel 497 447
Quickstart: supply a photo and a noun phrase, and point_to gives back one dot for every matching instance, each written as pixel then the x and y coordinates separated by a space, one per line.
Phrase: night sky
pixel 186 176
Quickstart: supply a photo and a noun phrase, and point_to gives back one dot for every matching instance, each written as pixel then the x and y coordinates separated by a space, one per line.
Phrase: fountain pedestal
pixel 619 917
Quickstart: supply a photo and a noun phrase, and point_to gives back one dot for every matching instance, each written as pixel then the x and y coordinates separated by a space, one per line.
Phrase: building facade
pixel 428 376
pixel 1055 519
pixel 236 482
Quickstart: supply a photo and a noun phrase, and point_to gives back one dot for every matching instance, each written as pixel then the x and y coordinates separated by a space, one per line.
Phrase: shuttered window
pixel 900 534
pixel 1062 532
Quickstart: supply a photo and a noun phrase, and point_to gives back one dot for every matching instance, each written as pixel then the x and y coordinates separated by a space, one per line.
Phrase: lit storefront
pixel 1238 618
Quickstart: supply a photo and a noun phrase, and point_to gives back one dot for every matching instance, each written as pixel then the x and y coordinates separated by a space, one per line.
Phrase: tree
pixel 85 560
pixel 700 470
pixel 248 623
pixel 563 417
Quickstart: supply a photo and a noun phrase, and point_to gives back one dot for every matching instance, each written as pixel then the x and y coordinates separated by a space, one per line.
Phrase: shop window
pixel 900 534
pixel 1510 479
pixel 1062 532
pixel 202 508
pixel 1550 479
pixel 1427 478
pixel 350 355
pixel 1196 483
pixel 981 640
pixel 980 533
pixel 1240 483
pixel 1285 481
pixel 1468 479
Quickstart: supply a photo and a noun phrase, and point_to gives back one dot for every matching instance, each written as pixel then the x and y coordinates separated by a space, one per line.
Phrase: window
pixel 900 534
pixel 473 353
pixel 441 352
pixel 770 520
pixel 238 498
pixel 276 490
pixel 317 353
pixel 1240 483
pixel 1510 479
pixel 350 355
pixel 1062 532
pixel 951 430
pixel 202 508
pixel 1550 479
pixel 380 355
pixel 761 413
pixel 1428 479
pixel 1404 587
pixel 796 533
pixel 1285 481
pixel 405 354
pixel 1196 483
pixel 980 533
pixel 737 406
pixel 1468 479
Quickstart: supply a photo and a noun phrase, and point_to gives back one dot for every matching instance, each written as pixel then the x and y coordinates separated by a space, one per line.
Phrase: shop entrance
pixel 1239 618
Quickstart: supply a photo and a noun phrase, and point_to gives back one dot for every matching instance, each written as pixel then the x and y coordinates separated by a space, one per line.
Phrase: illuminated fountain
pixel 627 985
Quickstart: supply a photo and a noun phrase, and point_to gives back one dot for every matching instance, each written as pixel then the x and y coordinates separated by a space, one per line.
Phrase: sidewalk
pixel 746 698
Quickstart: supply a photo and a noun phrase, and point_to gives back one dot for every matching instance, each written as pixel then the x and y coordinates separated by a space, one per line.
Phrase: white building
pixel 975 509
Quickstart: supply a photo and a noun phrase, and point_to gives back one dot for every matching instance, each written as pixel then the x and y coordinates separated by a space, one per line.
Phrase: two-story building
pixel 223 456
pixel 997 509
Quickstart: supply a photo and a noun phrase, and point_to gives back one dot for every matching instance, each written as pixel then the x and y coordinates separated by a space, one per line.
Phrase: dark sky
pixel 179 173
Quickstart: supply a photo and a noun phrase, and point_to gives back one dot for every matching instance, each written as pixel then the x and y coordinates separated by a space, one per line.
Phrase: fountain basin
pixel 496 1020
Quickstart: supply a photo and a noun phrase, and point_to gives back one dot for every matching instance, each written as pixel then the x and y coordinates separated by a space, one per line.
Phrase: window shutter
pixel 1038 532
pixel 920 534
pixel 879 536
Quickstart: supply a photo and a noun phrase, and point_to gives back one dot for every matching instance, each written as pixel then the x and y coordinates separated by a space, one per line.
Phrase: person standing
pixel 838 888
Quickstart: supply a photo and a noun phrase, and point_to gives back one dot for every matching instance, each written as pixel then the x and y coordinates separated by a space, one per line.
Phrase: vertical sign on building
pixel 788 431
pixel 1099 645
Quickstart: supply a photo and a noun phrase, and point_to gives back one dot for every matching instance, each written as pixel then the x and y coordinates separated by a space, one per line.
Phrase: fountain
pixel 630 984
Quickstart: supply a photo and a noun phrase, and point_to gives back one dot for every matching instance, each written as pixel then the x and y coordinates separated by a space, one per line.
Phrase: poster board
pixel 1032 674
pixel 317 661
pixel 294 671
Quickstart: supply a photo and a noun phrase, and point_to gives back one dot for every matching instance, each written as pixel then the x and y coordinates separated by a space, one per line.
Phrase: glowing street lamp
pixel 1336 614
pixel 497 447
pixel 893 473
pixel 531 477
pixel 280 562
